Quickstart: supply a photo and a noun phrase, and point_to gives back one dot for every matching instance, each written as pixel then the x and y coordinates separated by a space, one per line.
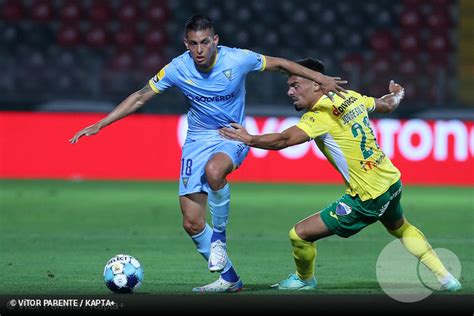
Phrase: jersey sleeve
pixel 369 103
pixel 313 124
pixel 163 79
pixel 250 60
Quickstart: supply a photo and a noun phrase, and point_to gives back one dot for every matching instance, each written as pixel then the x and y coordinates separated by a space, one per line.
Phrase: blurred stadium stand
pixel 72 55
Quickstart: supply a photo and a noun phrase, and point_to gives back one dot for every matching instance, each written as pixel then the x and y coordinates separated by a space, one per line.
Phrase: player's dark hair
pixel 199 22
pixel 312 63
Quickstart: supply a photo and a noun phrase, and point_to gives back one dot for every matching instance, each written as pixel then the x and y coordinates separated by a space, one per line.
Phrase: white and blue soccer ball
pixel 123 274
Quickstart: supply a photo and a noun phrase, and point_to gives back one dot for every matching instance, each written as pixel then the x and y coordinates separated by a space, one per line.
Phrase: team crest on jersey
pixel 343 209
pixel 185 181
pixel 228 73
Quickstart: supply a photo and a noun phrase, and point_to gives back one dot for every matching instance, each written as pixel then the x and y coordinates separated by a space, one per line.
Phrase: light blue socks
pixel 219 202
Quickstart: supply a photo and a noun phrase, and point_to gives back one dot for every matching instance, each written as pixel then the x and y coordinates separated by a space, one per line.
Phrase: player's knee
pixel 295 237
pixel 215 176
pixel 301 232
pixel 193 227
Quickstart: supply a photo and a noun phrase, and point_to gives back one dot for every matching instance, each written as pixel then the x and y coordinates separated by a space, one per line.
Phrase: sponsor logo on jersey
pixel 369 164
pixel 341 108
pixel 214 98
pixel 185 181
pixel 159 75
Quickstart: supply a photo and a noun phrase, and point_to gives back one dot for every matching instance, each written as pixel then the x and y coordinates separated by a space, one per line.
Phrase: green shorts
pixel 349 214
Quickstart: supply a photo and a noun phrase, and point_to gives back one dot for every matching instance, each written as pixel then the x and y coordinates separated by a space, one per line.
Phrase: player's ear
pixel 316 87
pixel 185 41
pixel 215 39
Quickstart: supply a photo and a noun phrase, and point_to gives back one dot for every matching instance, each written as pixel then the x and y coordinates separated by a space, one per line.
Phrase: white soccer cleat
pixel 221 285
pixel 218 256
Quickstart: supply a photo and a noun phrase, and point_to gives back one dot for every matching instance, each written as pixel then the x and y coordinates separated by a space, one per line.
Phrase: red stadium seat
pixel 439 43
pixel 42 11
pixel 121 60
pixel 128 12
pixel 126 37
pixel 157 12
pixel 441 3
pixel 382 42
pixel 71 11
pixel 155 37
pixel 13 11
pixel 100 12
pixel 382 64
pixel 152 62
pixel 409 66
pixel 439 19
pixel 411 18
pixel 410 42
pixel 69 35
pixel 97 36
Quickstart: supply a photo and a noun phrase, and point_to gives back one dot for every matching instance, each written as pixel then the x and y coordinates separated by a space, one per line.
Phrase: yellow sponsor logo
pixel 332 214
pixel 162 73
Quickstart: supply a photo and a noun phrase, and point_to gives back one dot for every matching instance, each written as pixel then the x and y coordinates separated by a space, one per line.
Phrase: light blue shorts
pixel 197 151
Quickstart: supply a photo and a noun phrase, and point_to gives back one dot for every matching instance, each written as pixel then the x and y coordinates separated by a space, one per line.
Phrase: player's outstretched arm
pixel 131 104
pixel 328 84
pixel 390 102
pixel 274 141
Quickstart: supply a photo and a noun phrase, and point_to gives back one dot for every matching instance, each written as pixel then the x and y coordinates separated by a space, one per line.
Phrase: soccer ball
pixel 123 274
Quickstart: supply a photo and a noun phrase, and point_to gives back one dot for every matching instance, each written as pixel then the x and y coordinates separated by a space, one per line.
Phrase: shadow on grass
pixel 334 288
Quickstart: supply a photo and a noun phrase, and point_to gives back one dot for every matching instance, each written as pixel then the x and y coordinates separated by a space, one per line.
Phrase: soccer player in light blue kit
pixel 212 78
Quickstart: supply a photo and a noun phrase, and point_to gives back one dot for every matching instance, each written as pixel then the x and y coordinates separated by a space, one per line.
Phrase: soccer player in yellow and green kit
pixel 341 130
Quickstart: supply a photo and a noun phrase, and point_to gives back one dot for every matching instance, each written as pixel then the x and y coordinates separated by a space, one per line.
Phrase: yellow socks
pixel 416 243
pixel 304 253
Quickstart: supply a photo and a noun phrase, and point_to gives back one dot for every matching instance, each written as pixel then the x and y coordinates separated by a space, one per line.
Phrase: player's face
pixel 302 91
pixel 203 46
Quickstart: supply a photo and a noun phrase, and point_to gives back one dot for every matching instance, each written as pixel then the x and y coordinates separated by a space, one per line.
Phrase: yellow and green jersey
pixel 341 130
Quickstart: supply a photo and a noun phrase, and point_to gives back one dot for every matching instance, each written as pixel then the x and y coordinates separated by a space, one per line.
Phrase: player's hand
pixel 236 132
pixel 396 88
pixel 332 84
pixel 88 131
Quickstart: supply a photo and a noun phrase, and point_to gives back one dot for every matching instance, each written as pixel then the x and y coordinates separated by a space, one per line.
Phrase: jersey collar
pixel 319 101
pixel 213 63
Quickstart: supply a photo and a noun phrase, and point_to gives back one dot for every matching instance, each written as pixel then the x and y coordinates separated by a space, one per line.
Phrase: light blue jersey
pixel 216 96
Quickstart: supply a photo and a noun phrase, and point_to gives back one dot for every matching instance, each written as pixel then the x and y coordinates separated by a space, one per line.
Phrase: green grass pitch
pixel 56 236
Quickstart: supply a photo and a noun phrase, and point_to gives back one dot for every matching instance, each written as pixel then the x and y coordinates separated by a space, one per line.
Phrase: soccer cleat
pixel 293 282
pixel 221 285
pixel 453 285
pixel 218 256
